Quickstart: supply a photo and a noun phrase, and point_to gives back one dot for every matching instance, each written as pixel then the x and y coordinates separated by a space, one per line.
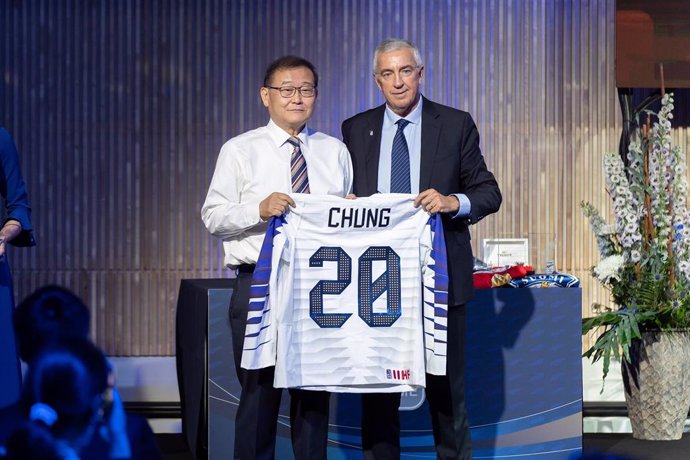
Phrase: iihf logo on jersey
pixel 398 374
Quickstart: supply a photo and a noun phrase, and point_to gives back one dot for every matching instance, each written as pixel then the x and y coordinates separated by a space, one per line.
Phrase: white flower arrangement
pixel 645 254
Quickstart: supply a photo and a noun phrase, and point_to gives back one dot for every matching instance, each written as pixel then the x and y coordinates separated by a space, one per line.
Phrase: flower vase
pixel 657 384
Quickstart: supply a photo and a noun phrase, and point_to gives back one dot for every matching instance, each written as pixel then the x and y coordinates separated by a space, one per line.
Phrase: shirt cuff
pixel 465 207
pixel 252 214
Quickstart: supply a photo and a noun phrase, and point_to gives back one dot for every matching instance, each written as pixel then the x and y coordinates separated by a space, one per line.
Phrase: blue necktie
pixel 400 161
pixel 298 168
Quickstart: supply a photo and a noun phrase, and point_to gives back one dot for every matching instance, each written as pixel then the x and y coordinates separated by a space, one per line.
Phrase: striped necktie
pixel 400 161
pixel 298 168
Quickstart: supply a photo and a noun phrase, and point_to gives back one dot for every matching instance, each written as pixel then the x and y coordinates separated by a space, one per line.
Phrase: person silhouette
pixel 52 314
pixel 16 230
pixel 65 396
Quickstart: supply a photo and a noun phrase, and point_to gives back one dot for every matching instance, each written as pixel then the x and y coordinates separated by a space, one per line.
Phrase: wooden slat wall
pixel 119 109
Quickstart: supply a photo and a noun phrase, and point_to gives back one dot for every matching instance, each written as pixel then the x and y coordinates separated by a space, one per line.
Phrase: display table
pixel 523 378
pixel 196 299
pixel 524 372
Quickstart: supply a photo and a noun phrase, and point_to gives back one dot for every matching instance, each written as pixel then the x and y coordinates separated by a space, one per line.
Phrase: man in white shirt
pixel 255 173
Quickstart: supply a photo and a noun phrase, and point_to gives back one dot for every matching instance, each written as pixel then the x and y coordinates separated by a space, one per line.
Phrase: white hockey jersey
pixel 350 296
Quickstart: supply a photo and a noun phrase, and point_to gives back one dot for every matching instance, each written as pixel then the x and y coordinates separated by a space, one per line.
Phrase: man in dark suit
pixel 434 153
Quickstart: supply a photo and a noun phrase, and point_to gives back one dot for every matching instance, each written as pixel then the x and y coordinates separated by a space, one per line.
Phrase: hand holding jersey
pixel 434 202
pixel 274 205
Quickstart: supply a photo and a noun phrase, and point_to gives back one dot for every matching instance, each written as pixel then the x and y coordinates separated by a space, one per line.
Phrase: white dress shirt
pixel 255 164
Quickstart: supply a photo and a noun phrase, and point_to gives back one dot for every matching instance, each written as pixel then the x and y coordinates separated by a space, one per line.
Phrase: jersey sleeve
pixel 260 336
pixel 435 296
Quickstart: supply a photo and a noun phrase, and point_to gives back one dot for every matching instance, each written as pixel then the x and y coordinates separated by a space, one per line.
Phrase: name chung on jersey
pixel 359 217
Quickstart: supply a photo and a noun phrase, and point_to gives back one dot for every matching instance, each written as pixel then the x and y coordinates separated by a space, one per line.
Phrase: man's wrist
pixel 456 207
pixel 464 206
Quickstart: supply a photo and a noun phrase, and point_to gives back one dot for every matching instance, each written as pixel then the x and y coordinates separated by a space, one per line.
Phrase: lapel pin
pixel 371 133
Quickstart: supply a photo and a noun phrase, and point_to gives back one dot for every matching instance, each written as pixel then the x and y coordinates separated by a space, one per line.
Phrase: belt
pixel 246 268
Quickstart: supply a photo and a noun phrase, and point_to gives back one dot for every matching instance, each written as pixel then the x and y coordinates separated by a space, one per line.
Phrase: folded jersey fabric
pixel 499 276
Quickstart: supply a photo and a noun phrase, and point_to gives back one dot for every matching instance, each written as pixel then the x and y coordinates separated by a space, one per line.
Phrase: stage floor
pixel 622 445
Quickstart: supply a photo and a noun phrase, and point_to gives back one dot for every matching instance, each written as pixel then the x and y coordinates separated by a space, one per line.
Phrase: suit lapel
pixel 372 141
pixel 431 130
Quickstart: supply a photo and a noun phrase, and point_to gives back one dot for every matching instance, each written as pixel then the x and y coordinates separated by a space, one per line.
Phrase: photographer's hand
pixel 115 424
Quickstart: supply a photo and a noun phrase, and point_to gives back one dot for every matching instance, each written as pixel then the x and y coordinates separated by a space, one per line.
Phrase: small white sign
pixel 497 252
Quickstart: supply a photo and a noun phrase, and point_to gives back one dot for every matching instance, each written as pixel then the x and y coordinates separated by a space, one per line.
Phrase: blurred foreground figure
pixel 17 231
pixel 44 320
pixel 65 397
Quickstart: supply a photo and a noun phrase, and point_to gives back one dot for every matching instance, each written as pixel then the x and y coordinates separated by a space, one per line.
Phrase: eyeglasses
pixel 405 72
pixel 289 91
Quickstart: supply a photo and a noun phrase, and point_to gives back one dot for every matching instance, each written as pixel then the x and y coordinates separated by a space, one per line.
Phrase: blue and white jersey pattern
pixel 350 296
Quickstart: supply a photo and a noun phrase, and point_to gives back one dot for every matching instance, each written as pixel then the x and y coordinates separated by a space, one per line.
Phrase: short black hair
pixel 50 313
pixel 289 62
pixel 67 375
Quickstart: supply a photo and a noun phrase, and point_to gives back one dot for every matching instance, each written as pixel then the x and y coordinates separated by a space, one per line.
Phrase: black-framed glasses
pixel 289 91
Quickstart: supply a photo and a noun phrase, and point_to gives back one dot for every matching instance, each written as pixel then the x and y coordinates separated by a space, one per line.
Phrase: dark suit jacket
pixel 451 162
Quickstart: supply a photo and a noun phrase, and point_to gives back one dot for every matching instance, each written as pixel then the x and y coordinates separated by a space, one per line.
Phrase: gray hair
pixel 393 44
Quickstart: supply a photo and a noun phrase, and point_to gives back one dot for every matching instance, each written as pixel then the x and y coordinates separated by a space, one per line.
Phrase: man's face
pixel 289 113
pixel 398 77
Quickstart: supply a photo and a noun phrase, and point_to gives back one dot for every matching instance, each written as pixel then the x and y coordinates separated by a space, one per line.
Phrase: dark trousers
pixel 446 395
pixel 257 413
pixel 446 398
pixel 381 426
